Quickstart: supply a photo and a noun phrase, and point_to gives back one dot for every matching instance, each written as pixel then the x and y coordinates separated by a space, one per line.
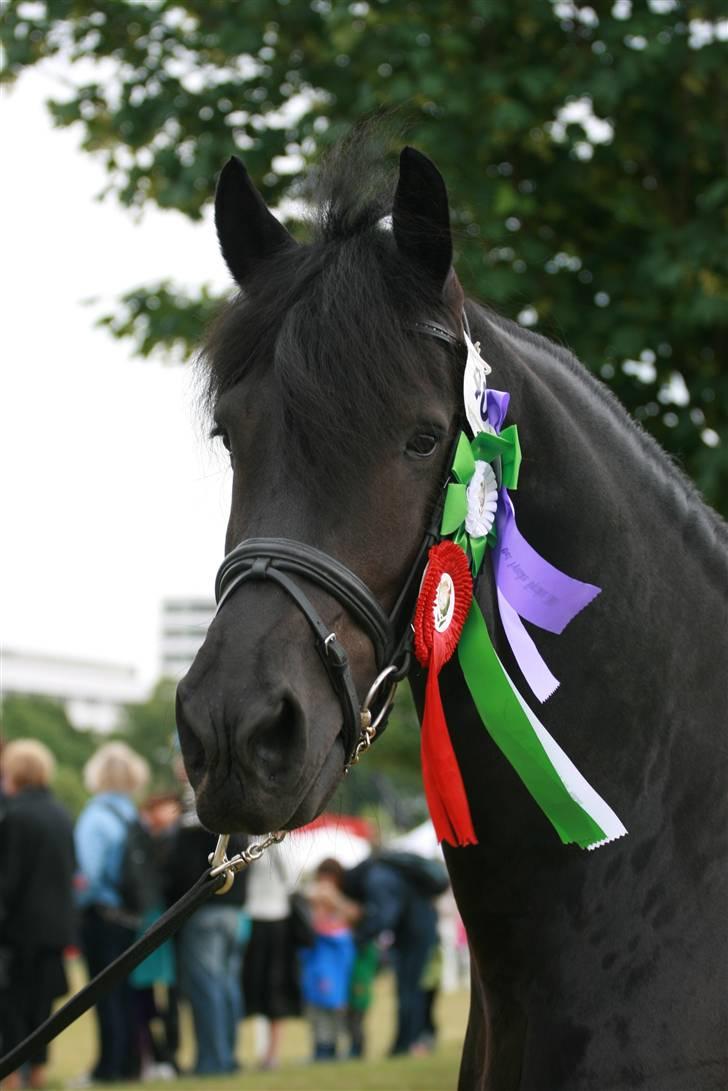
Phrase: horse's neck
pixel 585 462
pixel 643 669
pixel 601 501
pixel 642 696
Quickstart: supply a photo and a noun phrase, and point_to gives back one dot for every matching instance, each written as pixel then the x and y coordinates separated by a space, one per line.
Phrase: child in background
pixel 361 990
pixel 326 966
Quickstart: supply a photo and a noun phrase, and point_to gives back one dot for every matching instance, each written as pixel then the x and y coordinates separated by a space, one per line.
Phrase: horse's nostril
pixel 273 737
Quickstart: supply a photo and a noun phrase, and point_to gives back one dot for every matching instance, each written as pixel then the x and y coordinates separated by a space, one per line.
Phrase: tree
pixel 149 728
pixel 585 155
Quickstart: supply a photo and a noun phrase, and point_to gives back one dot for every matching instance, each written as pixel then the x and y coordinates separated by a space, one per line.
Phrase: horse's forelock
pixel 332 323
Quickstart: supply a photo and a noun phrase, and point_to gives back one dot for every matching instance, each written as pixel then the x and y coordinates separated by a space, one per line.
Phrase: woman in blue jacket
pixel 114 774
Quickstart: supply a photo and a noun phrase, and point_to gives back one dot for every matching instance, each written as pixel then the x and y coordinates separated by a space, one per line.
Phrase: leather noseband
pixel 278 559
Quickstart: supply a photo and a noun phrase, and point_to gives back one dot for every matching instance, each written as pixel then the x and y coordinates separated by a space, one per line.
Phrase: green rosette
pixel 504 451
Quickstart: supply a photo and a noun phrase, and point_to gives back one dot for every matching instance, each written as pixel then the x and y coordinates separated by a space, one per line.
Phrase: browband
pixel 433 329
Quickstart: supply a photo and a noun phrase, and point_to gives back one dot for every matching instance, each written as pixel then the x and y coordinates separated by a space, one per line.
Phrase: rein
pixel 391 635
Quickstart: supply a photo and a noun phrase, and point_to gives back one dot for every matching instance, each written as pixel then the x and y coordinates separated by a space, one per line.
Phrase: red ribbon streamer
pixel 434 644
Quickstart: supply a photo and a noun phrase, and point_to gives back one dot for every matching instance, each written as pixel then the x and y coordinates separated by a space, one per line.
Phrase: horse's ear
pixel 247 229
pixel 420 215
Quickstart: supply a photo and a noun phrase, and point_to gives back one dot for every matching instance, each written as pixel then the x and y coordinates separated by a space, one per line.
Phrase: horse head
pixel 338 409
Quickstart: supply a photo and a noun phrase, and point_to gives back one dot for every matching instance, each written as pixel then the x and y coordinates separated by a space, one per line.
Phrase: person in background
pixel 154 979
pixel 209 944
pixel 326 965
pixel 270 973
pixel 114 774
pixel 36 898
pixel 393 902
pixel 430 984
pixel 361 993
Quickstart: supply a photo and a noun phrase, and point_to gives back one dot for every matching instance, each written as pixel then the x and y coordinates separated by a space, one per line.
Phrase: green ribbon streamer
pixel 513 734
pixel 493 696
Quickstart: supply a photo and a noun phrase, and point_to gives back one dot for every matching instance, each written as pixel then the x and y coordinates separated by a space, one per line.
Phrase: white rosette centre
pixel 444 606
pixel 482 497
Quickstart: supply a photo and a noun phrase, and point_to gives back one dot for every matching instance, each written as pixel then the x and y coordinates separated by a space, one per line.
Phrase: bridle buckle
pixel 368 723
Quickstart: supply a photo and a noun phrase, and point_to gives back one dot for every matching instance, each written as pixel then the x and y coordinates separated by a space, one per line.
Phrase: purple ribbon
pixel 496 407
pixel 529 659
pixel 535 589
pixel 527 585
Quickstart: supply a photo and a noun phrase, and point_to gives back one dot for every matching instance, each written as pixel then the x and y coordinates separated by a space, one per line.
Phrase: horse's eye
pixel 220 433
pixel 422 445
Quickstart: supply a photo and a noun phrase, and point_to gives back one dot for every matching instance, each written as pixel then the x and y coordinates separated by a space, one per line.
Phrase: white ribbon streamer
pixel 474 386
pixel 576 785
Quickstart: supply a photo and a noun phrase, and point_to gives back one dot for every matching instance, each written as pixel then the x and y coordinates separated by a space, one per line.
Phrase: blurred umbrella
pixel 346 839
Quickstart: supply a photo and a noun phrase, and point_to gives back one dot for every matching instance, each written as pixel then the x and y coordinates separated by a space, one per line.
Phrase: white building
pixel 92 692
pixel 185 622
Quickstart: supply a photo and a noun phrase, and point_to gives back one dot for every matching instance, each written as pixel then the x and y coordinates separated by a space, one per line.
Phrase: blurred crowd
pixel 273 946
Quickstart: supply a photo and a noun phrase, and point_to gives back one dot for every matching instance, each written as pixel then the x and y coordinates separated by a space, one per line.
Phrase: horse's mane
pixel 674 486
pixel 333 318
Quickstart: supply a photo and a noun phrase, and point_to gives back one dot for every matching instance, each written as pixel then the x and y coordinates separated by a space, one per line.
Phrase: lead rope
pixel 216 880
pixel 221 867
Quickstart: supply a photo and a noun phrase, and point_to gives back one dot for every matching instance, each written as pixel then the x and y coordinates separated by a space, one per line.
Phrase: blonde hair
pixel 27 763
pixel 115 767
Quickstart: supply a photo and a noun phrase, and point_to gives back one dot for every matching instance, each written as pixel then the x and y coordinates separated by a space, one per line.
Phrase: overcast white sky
pixel 112 497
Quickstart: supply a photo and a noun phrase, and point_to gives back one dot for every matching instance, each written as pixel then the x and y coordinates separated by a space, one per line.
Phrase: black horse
pixel 602 969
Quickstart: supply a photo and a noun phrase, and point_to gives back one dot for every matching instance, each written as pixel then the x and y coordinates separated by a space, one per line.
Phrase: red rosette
pixel 443 603
pixel 440 614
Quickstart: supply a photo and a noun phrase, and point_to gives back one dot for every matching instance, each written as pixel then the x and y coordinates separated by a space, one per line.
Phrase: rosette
pixel 442 608
pixel 478 513
pixel 463 519
pixel 482 498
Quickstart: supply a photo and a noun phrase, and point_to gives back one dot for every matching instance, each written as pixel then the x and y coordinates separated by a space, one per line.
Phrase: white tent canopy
pixel 421 840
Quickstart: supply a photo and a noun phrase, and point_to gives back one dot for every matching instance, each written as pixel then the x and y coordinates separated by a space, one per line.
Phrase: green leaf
pixel 177 88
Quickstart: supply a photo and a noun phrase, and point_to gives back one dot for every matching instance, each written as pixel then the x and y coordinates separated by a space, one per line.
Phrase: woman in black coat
pixel 36 898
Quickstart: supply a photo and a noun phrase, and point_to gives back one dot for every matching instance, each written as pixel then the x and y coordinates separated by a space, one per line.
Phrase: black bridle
pixel 281 560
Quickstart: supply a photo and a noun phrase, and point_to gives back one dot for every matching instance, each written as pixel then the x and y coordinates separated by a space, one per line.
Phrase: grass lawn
pixel 73 1053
